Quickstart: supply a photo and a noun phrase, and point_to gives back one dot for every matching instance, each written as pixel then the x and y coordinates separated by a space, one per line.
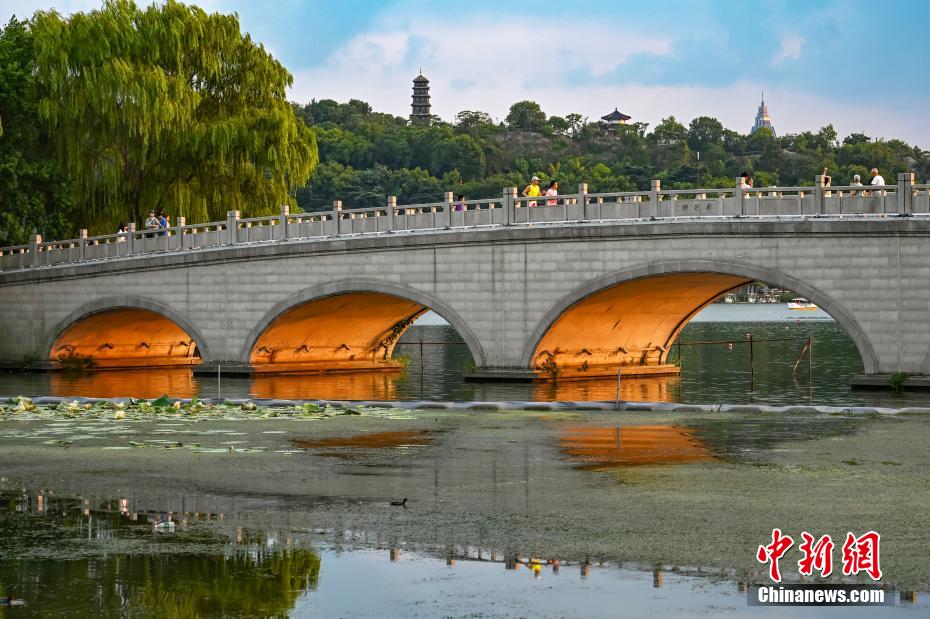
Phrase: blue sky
pixel 860 65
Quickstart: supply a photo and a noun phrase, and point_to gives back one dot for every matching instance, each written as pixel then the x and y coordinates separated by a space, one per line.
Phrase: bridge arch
pixel 393 308
pixel 104 318
pixel 728 275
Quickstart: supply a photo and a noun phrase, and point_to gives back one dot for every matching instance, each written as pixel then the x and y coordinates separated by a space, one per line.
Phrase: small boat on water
pixel 801 303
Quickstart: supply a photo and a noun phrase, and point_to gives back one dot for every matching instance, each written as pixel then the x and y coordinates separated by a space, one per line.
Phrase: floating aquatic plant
pixel 165 408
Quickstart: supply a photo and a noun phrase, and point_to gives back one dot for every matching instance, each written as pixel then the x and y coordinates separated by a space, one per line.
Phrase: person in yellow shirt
pixel 532 190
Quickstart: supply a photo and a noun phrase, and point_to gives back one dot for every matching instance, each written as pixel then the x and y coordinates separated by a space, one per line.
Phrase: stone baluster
pixel 654 198
pixel 82 244
pixel 34 241
pixel 819 205
pixel 905 194
pixel 386 223
pixel 285 222
pixel 131 238
pixel 508 197
pixel 583 201
pixel 393 215
pixel 445 220
pixel 180 222
pixel 232 227
pixel 337 217
pixel 740 196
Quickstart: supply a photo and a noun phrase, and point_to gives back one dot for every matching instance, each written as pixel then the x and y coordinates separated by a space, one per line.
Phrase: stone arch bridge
pixel 585 285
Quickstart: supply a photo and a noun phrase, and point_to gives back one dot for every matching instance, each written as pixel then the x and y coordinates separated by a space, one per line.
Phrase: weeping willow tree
pixel 168 108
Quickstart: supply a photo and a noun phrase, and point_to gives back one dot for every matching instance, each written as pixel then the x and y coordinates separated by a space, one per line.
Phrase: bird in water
pixel 400 503
pixel 11 601
pixel 164 524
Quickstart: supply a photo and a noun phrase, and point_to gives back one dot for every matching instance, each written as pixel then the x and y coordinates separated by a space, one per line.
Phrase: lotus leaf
pixel 162 402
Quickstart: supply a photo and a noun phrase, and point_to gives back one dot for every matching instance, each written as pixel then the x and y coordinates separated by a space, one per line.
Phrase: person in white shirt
pixel 877 178
pixel 856 182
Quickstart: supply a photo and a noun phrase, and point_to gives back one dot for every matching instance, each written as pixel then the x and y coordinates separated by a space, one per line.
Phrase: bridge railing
pixel 904 199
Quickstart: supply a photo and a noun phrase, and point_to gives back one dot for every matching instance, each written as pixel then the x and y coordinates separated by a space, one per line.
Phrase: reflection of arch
pixel 334 289
pixel 107 304
pixel 745 271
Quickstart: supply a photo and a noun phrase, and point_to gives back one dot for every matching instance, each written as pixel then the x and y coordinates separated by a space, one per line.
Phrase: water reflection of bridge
pixel 361 386
pixel 258 541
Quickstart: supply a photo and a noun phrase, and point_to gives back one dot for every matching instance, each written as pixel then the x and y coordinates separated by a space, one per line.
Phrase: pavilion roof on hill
pixel 616 115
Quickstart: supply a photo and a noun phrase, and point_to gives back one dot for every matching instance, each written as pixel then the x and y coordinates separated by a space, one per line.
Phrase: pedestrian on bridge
pixel 532 190
pixel 163 224
pixel 552 190
pixel 152 222
pixel 856 182
pixel 877 181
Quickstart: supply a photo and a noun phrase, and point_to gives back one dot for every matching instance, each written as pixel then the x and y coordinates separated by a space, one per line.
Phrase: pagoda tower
pixel 762 118
pixel 419 109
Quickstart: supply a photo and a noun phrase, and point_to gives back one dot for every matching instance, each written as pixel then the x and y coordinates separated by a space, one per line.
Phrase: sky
pixel 858 65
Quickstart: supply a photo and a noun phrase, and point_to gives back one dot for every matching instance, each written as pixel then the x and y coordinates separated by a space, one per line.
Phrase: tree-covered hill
pixel 366 156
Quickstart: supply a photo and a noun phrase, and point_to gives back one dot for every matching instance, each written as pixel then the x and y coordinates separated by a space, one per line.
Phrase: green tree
pixel 762 141
pixel 558 125
pixel 473 121
pixel 526 116
pixel 734 143
pixel 704 132
pixel 344 146
pixel 35 195
pixel 575 123
pixel 168 107
pixel 459 152
pixel 856 138
pixel 668 131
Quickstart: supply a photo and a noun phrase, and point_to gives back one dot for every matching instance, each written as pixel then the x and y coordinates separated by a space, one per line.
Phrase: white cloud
pixel 480 64
pixel 486 65
pixel 790 49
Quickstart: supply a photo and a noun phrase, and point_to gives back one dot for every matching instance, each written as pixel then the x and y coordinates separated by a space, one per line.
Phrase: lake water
pixel 711 372
pixel 517 514
pixel 513 513
pixel 211 570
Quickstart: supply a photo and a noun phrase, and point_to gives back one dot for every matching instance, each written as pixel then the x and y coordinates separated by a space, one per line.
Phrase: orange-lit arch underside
pixel 600 448
pixel 126 338
pixel 630 325
pixel 352 331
